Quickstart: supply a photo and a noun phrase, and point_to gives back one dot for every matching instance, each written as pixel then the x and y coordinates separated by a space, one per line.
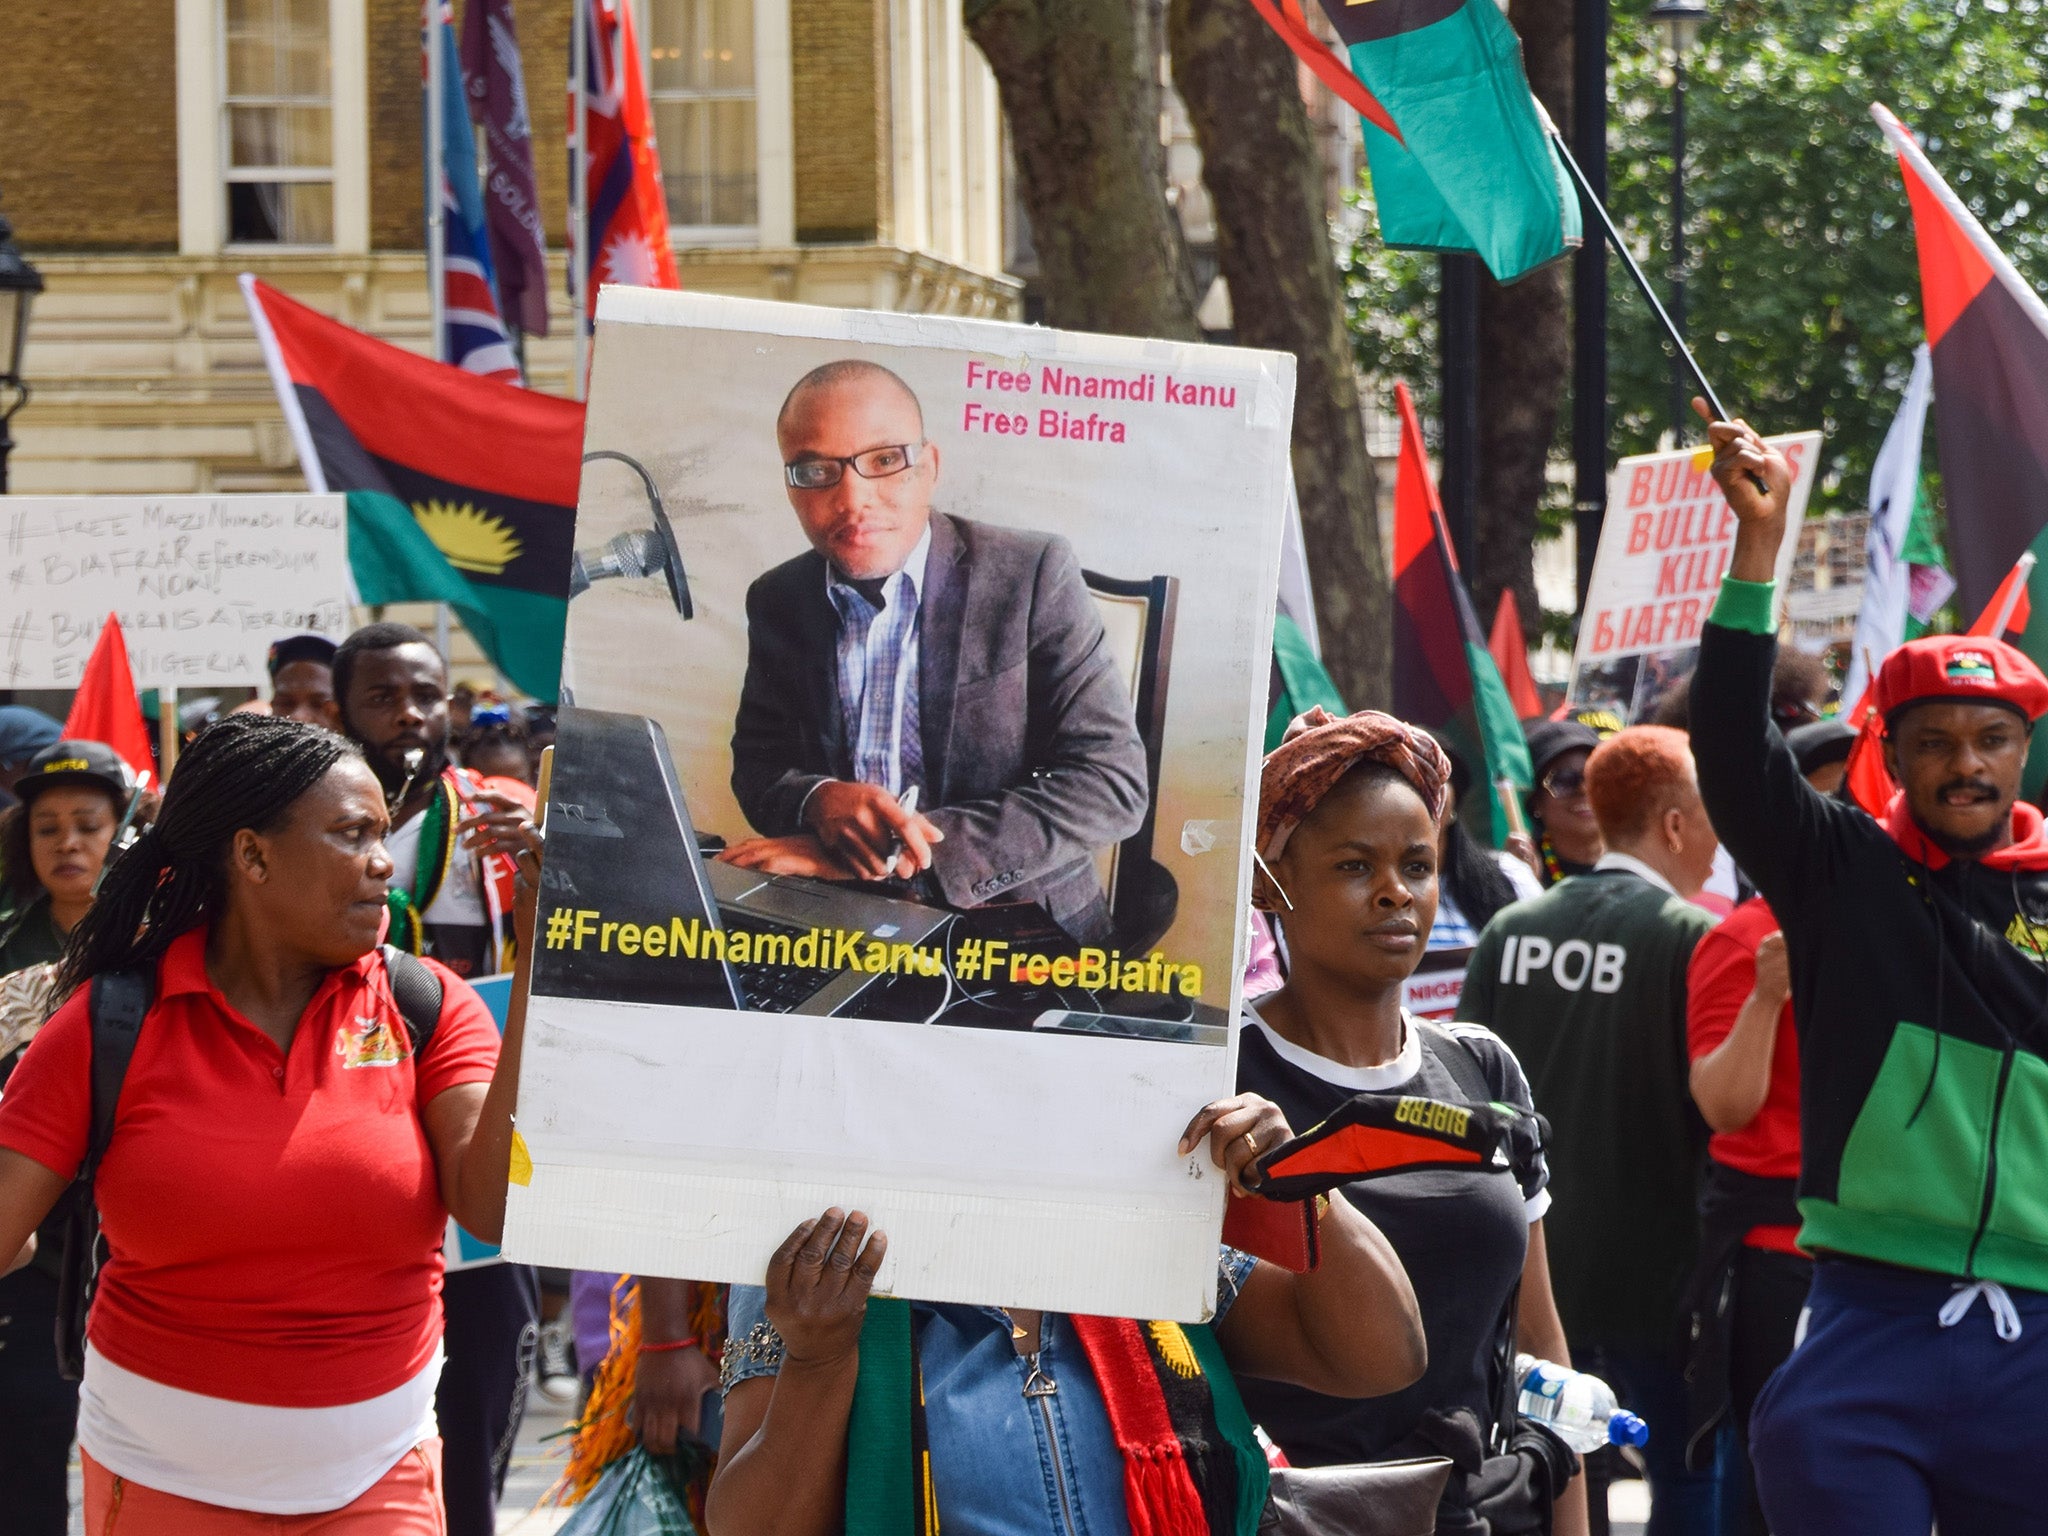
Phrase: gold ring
pixel 1253 1142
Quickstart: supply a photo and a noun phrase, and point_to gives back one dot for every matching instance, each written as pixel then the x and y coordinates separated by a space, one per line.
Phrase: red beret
pixel 1971 669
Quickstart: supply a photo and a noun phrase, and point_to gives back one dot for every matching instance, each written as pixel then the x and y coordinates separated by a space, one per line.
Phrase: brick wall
pixel 88 129
pixel 396 170
pixel 838 55
pixel 544 46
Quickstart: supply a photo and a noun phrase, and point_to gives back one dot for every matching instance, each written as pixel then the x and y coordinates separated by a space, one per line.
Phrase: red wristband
pixel 664 1347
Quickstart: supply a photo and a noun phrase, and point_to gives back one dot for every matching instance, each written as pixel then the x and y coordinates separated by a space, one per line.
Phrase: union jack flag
pixel 473 335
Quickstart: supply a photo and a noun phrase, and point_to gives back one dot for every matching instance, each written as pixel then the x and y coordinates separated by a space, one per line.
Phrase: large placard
pixel 202 584
pixel 1026 576
pixel 1664 547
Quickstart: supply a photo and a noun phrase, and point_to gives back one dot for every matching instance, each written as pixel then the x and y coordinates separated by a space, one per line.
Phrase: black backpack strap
pixel 116 1006
pixel 418 993
pixel 119 1001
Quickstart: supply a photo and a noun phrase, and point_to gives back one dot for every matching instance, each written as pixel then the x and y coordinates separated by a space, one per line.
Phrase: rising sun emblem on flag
pixel 628 257
pixel 471 538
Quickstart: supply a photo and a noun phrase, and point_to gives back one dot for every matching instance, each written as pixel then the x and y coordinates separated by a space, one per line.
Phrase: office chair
pixel 1137 619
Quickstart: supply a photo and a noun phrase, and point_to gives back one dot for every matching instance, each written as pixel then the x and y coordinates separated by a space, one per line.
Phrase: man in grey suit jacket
pixel 909 650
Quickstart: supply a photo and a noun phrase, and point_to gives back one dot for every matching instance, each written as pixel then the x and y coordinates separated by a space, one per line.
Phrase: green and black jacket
pixel 1921 1005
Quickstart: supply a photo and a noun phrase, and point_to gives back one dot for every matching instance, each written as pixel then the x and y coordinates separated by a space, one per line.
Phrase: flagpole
pixel 1614 239
pixel 1592 200
pixel 579 193
pixel 437 277
pixel 166 731
pixel 437 249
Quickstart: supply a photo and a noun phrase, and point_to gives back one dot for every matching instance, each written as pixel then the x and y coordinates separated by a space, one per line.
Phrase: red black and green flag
pixel 1444 677
pixel 1460 157
pixel 462 489
pixel 1988 333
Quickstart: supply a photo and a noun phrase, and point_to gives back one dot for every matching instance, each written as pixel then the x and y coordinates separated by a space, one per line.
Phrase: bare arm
pixel 668 1384
pixel 1349 1327
pixel 782 1459
pixel 470 1125
pixel 1731 1082
pixel 27 1191
pixel 1541 1333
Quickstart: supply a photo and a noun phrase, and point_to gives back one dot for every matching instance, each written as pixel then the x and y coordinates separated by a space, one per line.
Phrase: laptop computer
pixel 621 843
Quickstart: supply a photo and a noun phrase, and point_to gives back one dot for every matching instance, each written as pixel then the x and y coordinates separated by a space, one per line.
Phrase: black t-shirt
pixel 1587 986
pixel 1462 1235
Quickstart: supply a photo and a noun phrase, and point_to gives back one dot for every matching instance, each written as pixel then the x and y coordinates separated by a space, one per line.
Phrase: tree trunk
pixel 1260 164
pixel 1081 96
pixel 1524 362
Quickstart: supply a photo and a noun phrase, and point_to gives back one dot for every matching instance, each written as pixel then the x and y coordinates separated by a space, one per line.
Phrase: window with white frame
pixel 700 55
pixel 277 122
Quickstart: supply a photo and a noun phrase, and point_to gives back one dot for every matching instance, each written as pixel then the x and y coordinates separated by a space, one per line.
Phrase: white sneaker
pixel 557 1364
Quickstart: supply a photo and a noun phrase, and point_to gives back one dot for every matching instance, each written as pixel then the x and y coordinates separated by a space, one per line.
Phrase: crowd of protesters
pixel 1761 1097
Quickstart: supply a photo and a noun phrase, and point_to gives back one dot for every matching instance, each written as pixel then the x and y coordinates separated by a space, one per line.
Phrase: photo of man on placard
pixel 927 698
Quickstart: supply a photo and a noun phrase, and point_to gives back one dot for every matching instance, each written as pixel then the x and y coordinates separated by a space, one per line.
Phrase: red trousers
pixel 406 1501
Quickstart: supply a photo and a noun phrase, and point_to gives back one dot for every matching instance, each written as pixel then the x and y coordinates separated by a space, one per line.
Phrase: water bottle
pixel 1579 1408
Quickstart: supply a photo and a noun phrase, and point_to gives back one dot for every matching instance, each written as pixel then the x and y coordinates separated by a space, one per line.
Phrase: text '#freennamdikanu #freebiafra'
pixel 969 959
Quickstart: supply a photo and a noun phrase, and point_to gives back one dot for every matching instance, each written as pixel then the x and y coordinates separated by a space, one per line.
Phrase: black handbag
pixel 1373 1498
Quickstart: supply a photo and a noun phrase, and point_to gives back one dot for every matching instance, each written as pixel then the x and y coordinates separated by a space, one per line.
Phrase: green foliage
pixel 1390 309
pixel 1804 290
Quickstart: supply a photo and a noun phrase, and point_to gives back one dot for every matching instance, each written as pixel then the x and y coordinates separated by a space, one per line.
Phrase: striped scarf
pixel 436 853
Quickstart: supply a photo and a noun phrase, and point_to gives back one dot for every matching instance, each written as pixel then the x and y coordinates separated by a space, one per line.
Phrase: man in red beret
pixel 1918 950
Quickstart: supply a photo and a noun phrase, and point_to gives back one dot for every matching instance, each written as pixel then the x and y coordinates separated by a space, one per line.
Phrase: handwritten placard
pixel 202 584
pixel 1664 547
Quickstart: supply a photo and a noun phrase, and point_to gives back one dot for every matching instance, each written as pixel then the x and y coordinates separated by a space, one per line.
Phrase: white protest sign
pixel 202 584
pixel 994 1059
pixel 1664 547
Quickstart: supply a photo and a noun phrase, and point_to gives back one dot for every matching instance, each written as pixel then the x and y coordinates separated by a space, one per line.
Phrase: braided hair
pixel 241 771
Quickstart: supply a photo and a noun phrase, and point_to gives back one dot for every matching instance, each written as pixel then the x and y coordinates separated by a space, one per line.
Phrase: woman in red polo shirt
pixel 265 1334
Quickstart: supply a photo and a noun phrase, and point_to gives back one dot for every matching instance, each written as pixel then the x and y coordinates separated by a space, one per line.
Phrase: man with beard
pixel 455 905
pixel 1918 948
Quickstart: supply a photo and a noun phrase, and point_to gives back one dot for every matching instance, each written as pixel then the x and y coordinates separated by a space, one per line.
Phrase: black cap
pixel 300 648
pixel 92 763
pixel 1551 739
pixel 1825 741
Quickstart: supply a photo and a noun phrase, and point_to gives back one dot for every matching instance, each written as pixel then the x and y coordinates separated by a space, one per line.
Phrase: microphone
pixel 650 552
pixel 625 554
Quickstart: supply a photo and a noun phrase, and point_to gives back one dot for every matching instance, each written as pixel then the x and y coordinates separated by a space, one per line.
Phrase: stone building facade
pixel 840 152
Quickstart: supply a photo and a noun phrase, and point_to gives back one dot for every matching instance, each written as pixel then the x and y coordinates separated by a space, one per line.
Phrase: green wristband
pixel 1745 605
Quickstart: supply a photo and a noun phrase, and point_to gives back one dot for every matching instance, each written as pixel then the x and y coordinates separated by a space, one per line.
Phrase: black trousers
pixel 493 1323
pixel 38 1409
pixel 1770 1290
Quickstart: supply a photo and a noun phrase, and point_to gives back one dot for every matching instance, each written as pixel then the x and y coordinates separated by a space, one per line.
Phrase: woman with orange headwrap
pixel 1349 814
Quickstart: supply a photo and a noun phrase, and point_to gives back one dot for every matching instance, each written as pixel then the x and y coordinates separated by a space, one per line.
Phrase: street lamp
pixel 20 282
pixel 1680 21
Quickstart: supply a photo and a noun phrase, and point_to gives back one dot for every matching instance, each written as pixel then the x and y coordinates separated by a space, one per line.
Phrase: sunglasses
pixel 1565 783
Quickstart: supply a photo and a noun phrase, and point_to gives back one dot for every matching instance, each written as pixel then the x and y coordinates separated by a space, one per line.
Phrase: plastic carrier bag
pixel 632 1498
